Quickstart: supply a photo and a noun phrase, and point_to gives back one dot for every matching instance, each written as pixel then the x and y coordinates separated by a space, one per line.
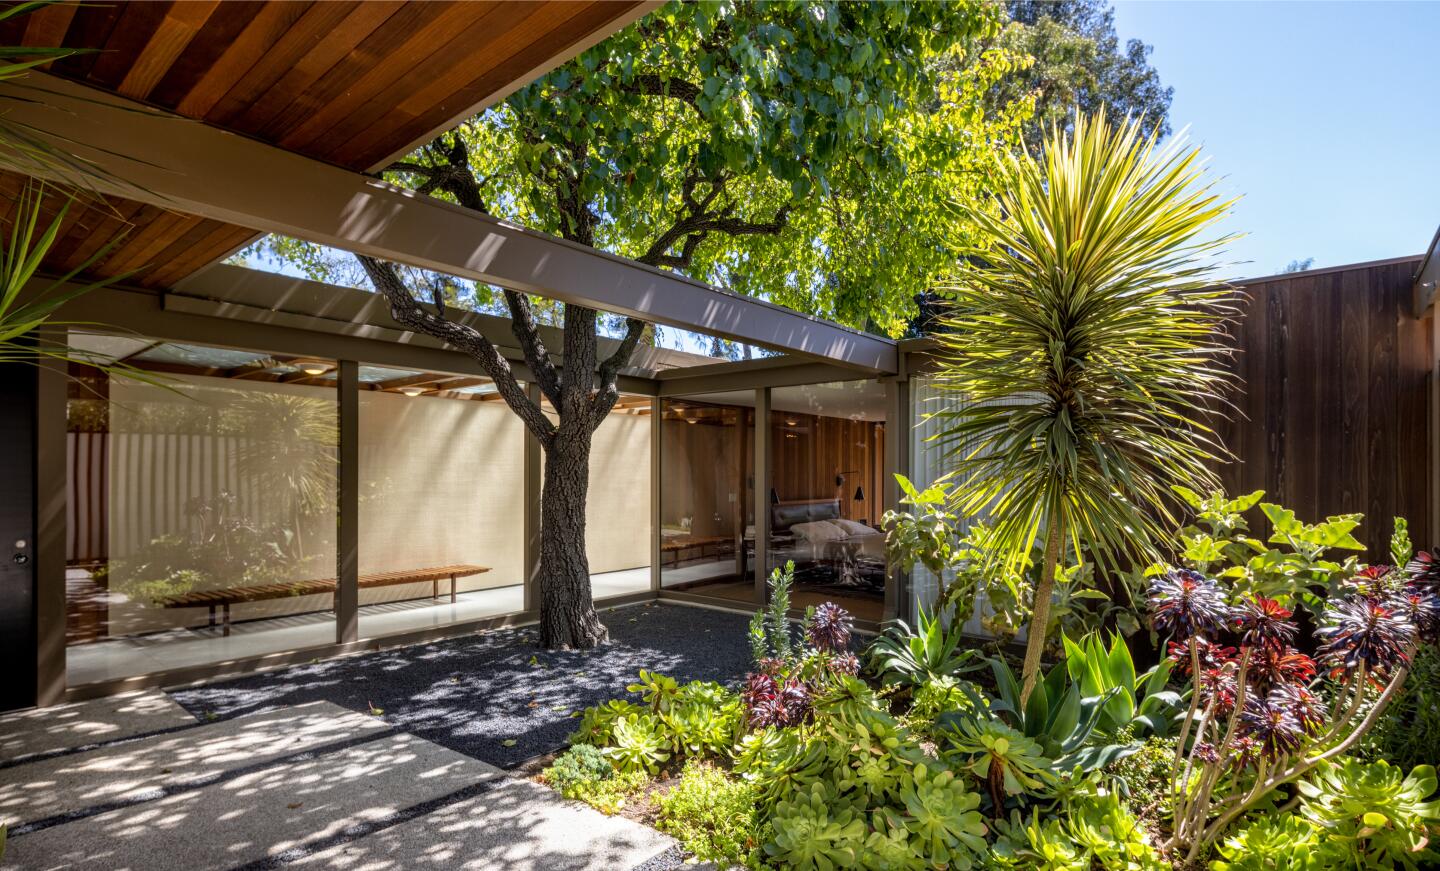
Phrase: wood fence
pixel 1334 417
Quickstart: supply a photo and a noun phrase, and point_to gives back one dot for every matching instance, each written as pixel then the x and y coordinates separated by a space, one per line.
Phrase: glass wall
pixel 707 470
pixel 442 501
pixel 618 528
pixel 201 520
pixel 826 479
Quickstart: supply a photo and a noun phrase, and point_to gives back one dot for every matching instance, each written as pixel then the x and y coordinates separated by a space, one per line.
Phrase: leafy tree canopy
pixel 1078 62
pixel 801 152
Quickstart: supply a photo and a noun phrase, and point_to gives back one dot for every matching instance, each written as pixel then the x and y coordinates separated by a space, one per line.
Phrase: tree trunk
pixel 1040 613
pixel 567 613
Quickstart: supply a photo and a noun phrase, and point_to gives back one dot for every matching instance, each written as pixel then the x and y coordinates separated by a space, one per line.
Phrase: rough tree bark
pixel 583 391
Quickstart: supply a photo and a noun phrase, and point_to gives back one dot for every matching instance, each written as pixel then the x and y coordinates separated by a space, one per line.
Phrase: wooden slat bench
pixel 223 599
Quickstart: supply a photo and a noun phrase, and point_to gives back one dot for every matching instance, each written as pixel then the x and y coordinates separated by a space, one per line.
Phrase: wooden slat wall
pixel 1334 417
pixel 804 467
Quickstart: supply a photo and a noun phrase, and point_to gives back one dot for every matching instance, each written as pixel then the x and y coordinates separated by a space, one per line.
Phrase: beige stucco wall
pixel 617 515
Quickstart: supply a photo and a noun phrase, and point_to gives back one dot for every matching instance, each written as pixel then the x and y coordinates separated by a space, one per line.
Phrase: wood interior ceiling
pixel 349 83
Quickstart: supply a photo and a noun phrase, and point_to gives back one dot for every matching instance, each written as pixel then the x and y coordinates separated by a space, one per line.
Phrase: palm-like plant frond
pixel 1085 339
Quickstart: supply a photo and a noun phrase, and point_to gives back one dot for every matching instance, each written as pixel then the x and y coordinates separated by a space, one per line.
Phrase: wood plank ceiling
pixel 351 83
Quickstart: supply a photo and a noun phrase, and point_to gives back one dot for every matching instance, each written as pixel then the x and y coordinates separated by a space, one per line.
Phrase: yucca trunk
pixel 1040 613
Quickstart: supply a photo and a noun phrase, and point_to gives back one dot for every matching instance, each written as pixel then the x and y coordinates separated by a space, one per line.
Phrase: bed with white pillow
pixel 814 532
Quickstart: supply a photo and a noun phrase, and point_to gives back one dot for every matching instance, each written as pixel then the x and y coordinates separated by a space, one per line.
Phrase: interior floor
pixel 179 648
pixel 863 607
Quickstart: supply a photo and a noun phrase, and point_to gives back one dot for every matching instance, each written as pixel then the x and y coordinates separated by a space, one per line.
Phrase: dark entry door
pixel 17 535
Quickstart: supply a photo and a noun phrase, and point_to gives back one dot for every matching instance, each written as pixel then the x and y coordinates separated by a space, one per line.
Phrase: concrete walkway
pixel 140 784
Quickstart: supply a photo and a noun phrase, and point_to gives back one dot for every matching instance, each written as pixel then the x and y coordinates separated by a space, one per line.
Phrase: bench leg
pixel 452 589
pixel 211 625
pixel 434 588
pixel 227 620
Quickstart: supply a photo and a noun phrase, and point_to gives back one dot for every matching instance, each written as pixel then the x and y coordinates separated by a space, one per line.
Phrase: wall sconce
pixel 412 391
pixel 859 494
pixel 314 367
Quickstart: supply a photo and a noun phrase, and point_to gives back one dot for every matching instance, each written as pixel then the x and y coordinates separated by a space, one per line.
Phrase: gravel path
pixel 496 696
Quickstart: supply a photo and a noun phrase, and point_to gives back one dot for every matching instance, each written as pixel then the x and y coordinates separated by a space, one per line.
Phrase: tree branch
pixel 651 85
pixel 608 391
pixel 522 324
pixel 405 309
pixel 702 217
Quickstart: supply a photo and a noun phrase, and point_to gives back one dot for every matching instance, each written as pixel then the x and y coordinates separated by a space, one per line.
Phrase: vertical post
pixel 347 544
pixel 898 423
pixel 762 491
pixel 656 434
pixel 534 476
pixel 1433 479
pixel 738 510
pixel 51 495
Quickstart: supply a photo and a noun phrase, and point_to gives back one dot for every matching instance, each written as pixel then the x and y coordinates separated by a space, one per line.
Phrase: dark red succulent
pixel 1263 622
pixel 1272 666
pixel 1212 655
pixel 1424 569
pixel 844 663
pixel 1422 608
pixel 829 627
pixel 1218 683
pixel 795 699
pixel 1274 728
pixel 1244 751
pixel 1185 603
pixel 767 711
pixel 1306 707
pixel 1374 581
pixel 1361 630
pixel 771 666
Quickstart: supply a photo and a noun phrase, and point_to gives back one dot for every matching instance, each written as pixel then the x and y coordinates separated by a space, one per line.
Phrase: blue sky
pixel 1326 116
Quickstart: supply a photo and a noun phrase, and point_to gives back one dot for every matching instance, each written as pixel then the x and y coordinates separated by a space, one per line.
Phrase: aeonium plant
pixel 1263 714
pixel 788 677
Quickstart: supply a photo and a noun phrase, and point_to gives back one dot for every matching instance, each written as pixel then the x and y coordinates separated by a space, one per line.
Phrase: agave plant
pixel 913 657
pixel 1056 716
pixel 1083 336
pixel 1139 703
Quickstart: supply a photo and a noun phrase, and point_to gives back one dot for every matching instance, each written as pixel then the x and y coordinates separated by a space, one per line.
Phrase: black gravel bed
pixel 496 695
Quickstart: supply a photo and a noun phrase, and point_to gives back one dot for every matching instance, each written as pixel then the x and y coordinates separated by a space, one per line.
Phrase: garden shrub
pixel 581 764
pixel 1409 735
pixel 1143 777
pixel 712 814
pixel 1258 719
pixel 610 795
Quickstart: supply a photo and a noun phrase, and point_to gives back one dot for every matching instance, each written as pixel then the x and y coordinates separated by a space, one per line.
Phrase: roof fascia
pixel 187 166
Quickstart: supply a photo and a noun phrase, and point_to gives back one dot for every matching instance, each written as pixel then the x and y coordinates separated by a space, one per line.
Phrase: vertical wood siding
pixel 1333 417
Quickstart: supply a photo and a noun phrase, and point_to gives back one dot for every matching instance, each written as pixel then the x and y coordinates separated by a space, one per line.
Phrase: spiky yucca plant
pixel 1084 342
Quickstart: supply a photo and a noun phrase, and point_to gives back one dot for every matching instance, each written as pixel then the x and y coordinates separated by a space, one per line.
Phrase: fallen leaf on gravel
pixel 508 742
pixel 294 804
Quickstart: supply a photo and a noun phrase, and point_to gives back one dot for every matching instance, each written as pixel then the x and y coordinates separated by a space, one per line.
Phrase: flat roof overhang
pixel 1427 278
pixel 351 84
pixel 179 164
